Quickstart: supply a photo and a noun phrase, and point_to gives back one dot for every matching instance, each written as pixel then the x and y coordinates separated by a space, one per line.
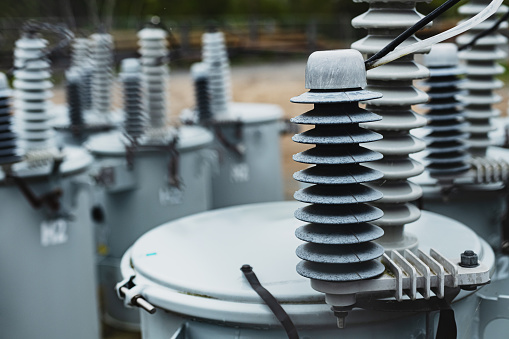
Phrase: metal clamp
pixel 128 291
pixel 408 274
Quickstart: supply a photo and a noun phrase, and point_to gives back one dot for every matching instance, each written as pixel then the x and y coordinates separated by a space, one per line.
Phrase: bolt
pixel 469 259
pixel 340 314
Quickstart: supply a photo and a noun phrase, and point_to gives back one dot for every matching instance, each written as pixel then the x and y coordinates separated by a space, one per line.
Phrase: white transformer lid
pixel 112 143
pixel 192 265
pixel 245 112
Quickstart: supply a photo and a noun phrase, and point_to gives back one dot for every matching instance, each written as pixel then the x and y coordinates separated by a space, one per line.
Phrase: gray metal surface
pixel 48 279
pixel 394 81
pixel 448 156
pixel 337 147
pixel 142 198
pixel 209 297
pixel 255 175
pixel 481 71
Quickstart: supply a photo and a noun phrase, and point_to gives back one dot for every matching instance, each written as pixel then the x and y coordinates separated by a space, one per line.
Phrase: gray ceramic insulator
pixel 132 87
pixel 448 153
pixel 32 84
pixel 481 71
pixel 154 61
pixel 339 236
pixel 384 22
pixel 81 60
pixel 9 152
pixel 75 108
pixel 200 74
pixel 215 56
pixel 102 67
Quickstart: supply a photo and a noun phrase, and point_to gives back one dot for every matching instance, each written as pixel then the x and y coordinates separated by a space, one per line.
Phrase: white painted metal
pixel 48 279
pixel 206 293
pixel 135 200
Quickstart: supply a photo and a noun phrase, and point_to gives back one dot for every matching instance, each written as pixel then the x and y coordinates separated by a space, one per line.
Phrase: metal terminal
pixel 481 70
pixel 102 77
pixel 154 62
pixel 128 291
pixel 131 78
pixel 32 90
pixel 9 152
pixel 215 57
pixel 395 82
pixel 339 235
pixel 199 72
pixel 448 155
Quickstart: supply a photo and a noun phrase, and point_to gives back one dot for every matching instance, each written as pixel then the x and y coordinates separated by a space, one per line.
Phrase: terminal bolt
pixel 340 313
pixel 469 259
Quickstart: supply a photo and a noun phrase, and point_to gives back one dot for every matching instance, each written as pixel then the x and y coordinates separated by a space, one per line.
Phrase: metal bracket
pixel 406 275
pixel 128 291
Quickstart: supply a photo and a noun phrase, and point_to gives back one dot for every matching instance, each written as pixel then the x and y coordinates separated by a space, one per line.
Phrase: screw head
pixel 469 259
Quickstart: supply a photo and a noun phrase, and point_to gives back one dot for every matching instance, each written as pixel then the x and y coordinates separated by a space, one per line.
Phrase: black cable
pixel 269 299
pixel 409 32
pixel 486 32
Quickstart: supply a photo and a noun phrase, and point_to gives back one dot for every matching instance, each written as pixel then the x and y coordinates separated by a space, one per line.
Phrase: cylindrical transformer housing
pixel 48 279
pixel 142 188
pixel 199 295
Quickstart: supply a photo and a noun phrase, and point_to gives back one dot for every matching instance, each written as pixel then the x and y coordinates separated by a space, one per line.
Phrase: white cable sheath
pixel 474 21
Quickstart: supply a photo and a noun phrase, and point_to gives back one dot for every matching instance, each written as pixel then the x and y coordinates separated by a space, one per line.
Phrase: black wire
pixel 485 32
pixel 409 32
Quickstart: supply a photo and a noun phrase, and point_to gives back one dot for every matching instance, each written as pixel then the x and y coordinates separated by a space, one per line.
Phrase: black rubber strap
pixel 446 328
pixel 269 299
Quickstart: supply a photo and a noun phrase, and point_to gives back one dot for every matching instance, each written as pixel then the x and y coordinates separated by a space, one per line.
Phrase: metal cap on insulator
pixel 442 55
pixel 338 70
pixel 130 65
pixel 199 70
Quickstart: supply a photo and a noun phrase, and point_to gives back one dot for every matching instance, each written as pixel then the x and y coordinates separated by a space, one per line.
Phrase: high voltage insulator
pixel 102 78
pixel 448 156
pixel 385 21
pixel 199 72
pixel 215 57
pixel 131 78
pixel 340 238
pixel 80 52
pixel 481 70
pixel 8 147
pixel 32 84
pixel 73 79
pixel 81 59
pixel 154 61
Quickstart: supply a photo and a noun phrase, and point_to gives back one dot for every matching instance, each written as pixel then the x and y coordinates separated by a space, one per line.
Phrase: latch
pixel 128 291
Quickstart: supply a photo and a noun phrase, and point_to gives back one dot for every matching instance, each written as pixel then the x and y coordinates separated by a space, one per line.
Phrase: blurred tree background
pixel 254 28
